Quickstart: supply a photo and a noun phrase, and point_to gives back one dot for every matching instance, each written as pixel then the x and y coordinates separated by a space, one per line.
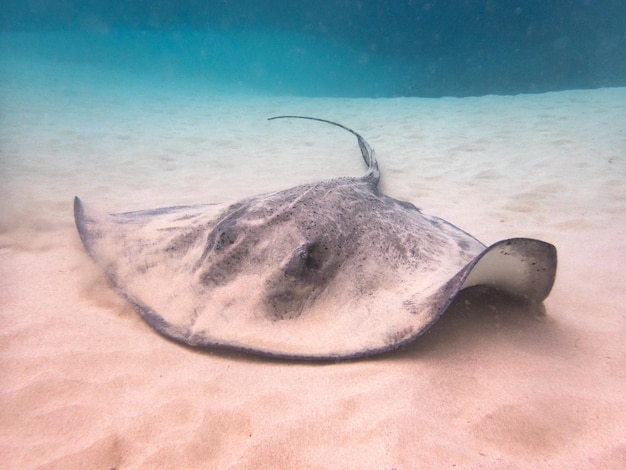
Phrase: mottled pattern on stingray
pixel 332 269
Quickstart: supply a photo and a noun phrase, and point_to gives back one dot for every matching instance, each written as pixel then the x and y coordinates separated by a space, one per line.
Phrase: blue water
pixel 338 48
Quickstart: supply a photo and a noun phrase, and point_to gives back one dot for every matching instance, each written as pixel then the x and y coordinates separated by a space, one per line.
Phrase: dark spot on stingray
pixel 225 266
pixel 463 245
pixel 225 237
pixel 182 242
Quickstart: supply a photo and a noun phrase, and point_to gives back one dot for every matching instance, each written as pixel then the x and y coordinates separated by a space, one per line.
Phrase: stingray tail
pixel 373 173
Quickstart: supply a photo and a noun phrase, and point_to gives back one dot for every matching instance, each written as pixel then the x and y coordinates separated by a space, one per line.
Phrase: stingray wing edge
pixel 523 267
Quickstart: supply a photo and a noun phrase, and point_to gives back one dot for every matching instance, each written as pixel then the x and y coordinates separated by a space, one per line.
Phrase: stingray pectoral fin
pixel 86 225
pixel 523 267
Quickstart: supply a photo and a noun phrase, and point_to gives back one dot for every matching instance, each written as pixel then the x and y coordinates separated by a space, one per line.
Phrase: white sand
pixel 86 384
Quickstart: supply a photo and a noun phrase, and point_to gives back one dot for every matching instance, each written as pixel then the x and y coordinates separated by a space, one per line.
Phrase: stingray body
pixel 332 269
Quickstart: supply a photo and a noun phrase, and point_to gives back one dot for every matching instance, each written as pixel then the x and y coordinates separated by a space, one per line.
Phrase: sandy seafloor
pixel 86 384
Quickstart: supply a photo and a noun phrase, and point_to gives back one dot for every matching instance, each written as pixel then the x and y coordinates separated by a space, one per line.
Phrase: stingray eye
pixel 303 259
pixel 297 262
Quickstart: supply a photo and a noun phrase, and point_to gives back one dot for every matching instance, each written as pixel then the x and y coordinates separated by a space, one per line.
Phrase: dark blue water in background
pixel 372 48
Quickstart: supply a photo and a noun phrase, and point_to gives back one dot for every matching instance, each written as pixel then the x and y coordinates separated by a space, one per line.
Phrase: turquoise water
pixel 338 48
pixel 259 62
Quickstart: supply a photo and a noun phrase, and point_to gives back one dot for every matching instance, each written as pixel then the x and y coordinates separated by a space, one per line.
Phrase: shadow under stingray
pixel 481 314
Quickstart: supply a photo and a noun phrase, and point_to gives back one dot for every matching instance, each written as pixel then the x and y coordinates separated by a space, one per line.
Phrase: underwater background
pixel 333 48
pixel 505 118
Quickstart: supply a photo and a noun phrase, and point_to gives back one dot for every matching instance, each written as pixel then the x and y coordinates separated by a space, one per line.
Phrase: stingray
pixel 326 270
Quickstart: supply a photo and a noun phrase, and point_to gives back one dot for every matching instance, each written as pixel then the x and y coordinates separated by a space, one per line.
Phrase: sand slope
pixel 85 384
